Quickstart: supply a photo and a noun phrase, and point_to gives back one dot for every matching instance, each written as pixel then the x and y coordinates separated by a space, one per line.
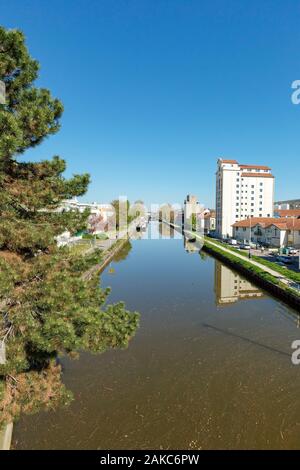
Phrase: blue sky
pixel 156 90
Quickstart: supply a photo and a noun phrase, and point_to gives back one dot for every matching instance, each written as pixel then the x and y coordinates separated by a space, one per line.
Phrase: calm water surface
pixel 209 367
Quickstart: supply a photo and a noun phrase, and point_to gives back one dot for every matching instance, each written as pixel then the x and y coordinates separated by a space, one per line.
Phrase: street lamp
pixel 249 255
pixel 293 232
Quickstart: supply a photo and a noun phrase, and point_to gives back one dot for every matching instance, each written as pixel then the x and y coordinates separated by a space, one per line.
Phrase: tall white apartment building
pixel 242 191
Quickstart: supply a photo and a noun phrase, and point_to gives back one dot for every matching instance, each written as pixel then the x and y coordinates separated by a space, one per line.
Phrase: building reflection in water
pixel 166 231
pixel 230 287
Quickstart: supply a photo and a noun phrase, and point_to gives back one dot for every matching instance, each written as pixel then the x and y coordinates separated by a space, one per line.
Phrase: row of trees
pixel 46 308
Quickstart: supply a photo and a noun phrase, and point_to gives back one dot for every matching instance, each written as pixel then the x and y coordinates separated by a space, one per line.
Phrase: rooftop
pixel 288 212
pixel 282 223
pixel 244 166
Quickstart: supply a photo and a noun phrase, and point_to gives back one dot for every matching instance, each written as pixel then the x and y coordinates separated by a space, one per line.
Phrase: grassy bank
pixel 293 276
pixel 258 275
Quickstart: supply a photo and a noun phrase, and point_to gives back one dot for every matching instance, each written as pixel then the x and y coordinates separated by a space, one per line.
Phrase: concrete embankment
pixel 108 256
pixel 124 237
pixel 259 276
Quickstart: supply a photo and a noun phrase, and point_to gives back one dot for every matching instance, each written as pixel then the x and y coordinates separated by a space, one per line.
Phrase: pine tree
pixel 46 308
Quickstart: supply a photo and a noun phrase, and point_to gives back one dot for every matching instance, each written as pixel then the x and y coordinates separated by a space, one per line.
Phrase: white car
pixel 232 242
pixel 245 246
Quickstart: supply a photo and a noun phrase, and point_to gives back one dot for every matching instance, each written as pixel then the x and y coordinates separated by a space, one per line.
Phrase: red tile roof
pixel 265 222
pixel 258 175
pixel 288 212
pixel 229 161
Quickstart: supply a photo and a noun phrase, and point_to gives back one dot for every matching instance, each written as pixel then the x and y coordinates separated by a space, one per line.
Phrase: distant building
pixel 100 214
pixel 209 221
pixel 288 213
pixel 193 213
pixel 95 208
pixel 191 206
pixel 242 191
pixel 274 232
pixel 65 239
pixel 290 204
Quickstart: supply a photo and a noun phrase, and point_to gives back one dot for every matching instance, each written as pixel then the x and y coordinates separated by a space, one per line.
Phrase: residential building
pixel 96 209
pixel 242 191
pixel 273 232
pixel 290 204
pixel 101 215
pixel 209 221
pixel 288 213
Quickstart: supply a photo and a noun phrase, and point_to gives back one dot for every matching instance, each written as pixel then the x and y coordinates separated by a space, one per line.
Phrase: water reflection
pixel 191 243
pixel 125 250
pixel 40 386
pixel 166 231
pixel 196 376
pixel 230 287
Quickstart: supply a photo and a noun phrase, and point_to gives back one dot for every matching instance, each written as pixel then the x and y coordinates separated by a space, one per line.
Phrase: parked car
pixel 245 246
pixel 232 241
pixel 292 250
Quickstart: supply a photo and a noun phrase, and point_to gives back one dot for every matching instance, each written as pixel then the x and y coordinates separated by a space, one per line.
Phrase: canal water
pixel 209 367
